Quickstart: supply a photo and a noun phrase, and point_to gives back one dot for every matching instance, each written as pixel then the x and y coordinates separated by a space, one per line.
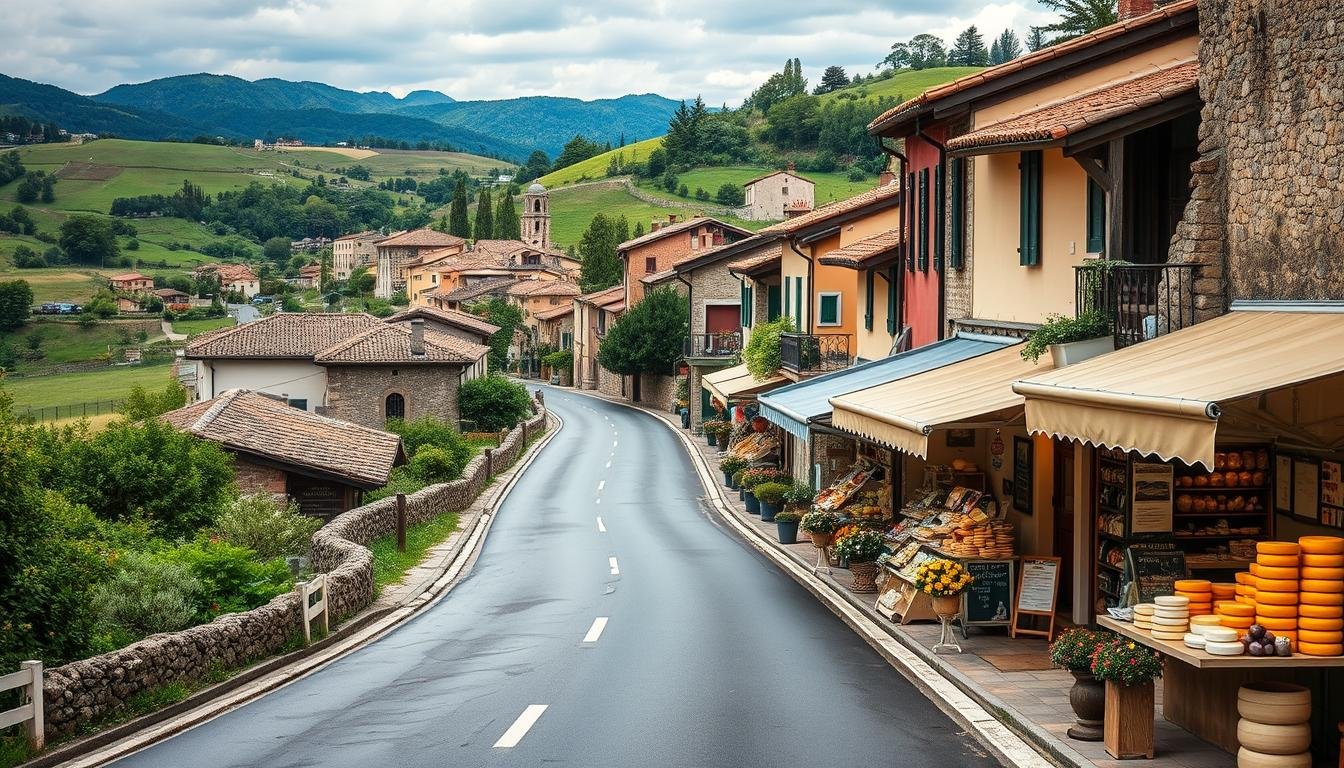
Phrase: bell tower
pixel 537 217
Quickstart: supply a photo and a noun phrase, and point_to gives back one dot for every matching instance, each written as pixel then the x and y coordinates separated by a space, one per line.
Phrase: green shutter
pixel 829 310
pixel 957 257
pixel 1029 232
pixel 1096 218
pixel 939 218
pixel 772 299
pixel 798 303
pixel 910 221
pixel 893 275
pixel 923 219
pixel 788 284
pixel 742 303
pixel 750 305
pixel 868 301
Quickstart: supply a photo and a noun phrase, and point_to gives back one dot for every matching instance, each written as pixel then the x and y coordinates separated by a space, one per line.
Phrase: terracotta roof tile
pixel 555 314
pixel 357 235
pixel 543 288
pixel 421 238
pixel 658 277
pixel 129 276
pixel 680 226
pixel 282 335
pixel 887 193
pixel 464 320
pixel 251 422
pixel 862 252
pixel 228 273
pixel 603 297
pixel 477 289
pixel 765 176
pixel 386 344
pixel 757 263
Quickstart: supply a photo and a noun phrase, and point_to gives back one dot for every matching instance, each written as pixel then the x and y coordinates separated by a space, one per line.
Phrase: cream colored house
pixel 779 195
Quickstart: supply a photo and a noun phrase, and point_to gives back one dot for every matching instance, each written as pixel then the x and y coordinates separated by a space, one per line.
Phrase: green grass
pixel 194 327
pixel 66 341
pixel 75 284
pixel 113 383
pixel 904 85
pixel 573 209
pixel 830 186
pixel 595 168
pixel 389 565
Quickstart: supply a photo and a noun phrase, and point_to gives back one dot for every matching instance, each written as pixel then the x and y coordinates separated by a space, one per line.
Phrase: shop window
pixel 394 407
pixel 1096 218
pixel 939 218
pixel 772 300
pixel 828 308
pixel 868 300
pixel 1029 232
pixel 298 402
pixel 923 219
pixel 957 257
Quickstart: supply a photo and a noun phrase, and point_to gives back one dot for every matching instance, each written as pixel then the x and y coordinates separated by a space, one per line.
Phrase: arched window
pixel 536 226
pixel 394 407
pixel 536 206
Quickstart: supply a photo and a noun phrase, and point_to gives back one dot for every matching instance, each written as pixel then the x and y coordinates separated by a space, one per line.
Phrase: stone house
pixel 171 296
pixel 593 314
pixel 232 277
pixel 354 250
pixel 779 195
pixel 310 276
pixel 430 279
pixel 131 282
pixel 399 250
pixel 324 465
pixel 667 243
pixel 476 290
pixel 555 327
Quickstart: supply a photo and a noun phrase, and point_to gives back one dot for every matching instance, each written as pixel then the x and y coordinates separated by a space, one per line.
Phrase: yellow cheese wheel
pixel 1320 649
pixel 1196 597
pixel 1273 571
pixel 1289 561
pixel 1274 623
pixel 1320 625
pixel 1276 598
pixel 1246 600
pixel 1321 598
pixel 1325 586
pixel 1323 561
pixel 1238 622
pixel 1243 589
pixel 1318 545
pixel 1321 572
pixel 1275 585
pixel 1243 577
pixel 1194 585
pixel 1237 609
pixel 1276 611
pixel 1321 611
pixel 1314 636
pixel 1291 634
pixel 1279 547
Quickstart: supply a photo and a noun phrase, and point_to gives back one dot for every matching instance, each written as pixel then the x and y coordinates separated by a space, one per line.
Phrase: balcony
pixel 1143 301
pixel 814 353
pixel 720 344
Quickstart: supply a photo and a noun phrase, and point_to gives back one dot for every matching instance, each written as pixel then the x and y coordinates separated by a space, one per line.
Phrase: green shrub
pixel 267 527
pixel 771 493
pixel 762 352
pixel 232 579
pixel 434 465
pixel 143 404
pixel 493 403
pixel 562 360
pixel 732 464
pixel 144 596
pixel 1058 329
pixel 428 431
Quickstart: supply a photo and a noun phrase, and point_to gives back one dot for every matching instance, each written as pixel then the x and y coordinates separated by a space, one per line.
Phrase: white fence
pixel 310 609
pixel 28 679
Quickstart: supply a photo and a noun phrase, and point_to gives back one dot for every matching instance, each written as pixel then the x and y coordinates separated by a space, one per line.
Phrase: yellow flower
pixel 928 588
pixel 1131 645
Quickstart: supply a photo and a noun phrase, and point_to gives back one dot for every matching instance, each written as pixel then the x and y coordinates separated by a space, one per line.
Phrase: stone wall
pixel 957 282
pixel 658 391
pixel 358 393
pixel 608 383
pixel 81 692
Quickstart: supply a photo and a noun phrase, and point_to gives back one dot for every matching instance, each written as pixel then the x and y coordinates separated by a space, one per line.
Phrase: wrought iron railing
pixel 1143 301
pixel 814 353
pixel 716 344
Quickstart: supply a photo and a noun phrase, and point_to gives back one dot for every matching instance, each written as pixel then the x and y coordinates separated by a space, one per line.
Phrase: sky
pixel 479 49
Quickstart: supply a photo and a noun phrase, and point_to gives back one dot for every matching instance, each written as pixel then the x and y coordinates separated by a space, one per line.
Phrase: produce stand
pixel 1199 689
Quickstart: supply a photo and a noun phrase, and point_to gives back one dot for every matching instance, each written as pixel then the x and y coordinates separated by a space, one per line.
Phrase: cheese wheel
pixel 1273 572
pixel 1219 634
pixel 1291 634
pixel 1320 611
pixel 1279 547
pixel 1194 585
pixel 1321 598
pixel 1233 648
pixel 1238 610
pixel 1322 572
pixel 1315 636
pixel 1275 585
pixel 1221 591
pixel 1197 598
pixel 1238 622
pixel 1192 640
pixel 1275 623
pixel 1143 625
pixel 1276 598
pixel 1171 601
pixel 1242 589
pixel 1167 621
pixel 1244 578
pixel 1316 649
pixel 1319 545
pixel 1164 635
pixel 1324 586
pixel 1246 600
pixel 1144 609
pixel 1207 621
pixel 1288 561
pixel 1323 561
pixel 1276 611
pixel 1320 625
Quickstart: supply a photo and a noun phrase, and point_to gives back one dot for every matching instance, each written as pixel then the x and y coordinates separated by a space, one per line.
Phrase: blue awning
pixel 793 406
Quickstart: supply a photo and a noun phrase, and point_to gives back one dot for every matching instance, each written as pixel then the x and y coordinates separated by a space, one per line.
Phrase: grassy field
pixel 71 284
pixel 66 341
pixel 830 186
pixel 596 167
pixel 389 565
pixel 573 209
pixel 196 327
pixel 904 85
pixel 113 383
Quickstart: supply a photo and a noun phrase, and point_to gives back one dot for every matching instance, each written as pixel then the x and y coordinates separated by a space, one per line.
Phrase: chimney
pixel 655 225
pixel 671 218
pixel 417 337
pixel 1131 8
pixel 791 167
pixel 885 177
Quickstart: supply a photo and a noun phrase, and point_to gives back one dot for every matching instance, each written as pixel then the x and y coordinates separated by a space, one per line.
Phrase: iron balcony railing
pixel 1142 301
pixel 814 353
pixel 714 344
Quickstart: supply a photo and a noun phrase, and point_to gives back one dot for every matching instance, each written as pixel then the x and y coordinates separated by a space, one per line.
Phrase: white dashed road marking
pixel 600 527
pixel 520 726
pixel 615 569
pixel 595 631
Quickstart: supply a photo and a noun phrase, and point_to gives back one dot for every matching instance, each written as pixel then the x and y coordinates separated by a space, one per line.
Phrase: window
pixel 434 278
pixel 298 402
pixel 394 407
pixel 1029 202
pixel 939 218
pixel 566 339
pixel 1096 218
pixel 772 300
pixel 958 256
pixel 536 206
pixel 745 305
pixel 828 308
pixel 923 220
pixel 784 190
pixel 651 264
pixel 695 241
pixel 868 300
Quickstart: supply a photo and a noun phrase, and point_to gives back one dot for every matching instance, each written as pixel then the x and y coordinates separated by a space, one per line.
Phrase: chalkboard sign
pixel 1024 459
pixel 989 599
pixel 1155 569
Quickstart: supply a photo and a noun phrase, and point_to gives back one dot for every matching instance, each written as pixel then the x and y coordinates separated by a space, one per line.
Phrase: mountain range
pixel 186 106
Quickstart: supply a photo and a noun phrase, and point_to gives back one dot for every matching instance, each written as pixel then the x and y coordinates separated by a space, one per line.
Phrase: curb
pixel 121 740
pixel 1009 738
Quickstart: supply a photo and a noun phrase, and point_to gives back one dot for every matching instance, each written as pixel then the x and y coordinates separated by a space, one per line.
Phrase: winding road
pixel 609 621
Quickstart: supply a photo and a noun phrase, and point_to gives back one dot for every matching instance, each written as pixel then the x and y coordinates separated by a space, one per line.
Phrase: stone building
pixel 463 325
pixel 668 242
pixel 779 195
pixel 593 314
pixel 536 218
pixel 399 250
pixel 354 250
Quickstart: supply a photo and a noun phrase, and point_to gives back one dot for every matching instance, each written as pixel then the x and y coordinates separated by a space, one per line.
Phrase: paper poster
pixel 1283 483
pixel 1332 486
pixel 1151 509
pixel 1039 578
pixel 1306 476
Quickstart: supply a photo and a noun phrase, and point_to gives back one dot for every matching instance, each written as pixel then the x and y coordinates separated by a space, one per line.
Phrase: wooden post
pixel 301 589
pixel 36 725
pixel 401 522
pixel 524 431
pixel 326 606
pixel 489 463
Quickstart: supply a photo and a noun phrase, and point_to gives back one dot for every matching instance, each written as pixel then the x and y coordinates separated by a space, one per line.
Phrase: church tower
pixel 537 217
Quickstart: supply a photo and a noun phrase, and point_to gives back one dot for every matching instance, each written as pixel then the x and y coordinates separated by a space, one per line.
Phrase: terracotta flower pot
pixel 1088 699
pixel 1128 722
pixel 949 605
pixel 821 540
pixel 722 438
pixel 865 576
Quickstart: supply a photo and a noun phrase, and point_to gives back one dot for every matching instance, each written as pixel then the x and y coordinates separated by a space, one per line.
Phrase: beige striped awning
pixel 737 382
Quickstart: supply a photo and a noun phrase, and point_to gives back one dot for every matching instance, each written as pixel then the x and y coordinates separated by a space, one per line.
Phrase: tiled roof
pixel 482 288
pixel 282 335
pixel 887 193
pixel 555 314
pixel 129 276
pixel 658 277
pixel 357 235
pixel 1058 120
pixel 672 229
pixel 387 344
pixel 544 288
pixel 251 422
pixel 421 238
pixel 869 249
pixel 229 273
pixel 765 176
pixel 434 255
pixel 464 320
pixel 506 248
pixel 1029 60
pixel 310 270
pixel 166 292
pixel 616 308
pixel 603 297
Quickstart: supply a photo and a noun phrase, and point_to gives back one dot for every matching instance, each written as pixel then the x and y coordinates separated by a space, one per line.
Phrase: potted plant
pixel 770 494
pixel 944 581
pixel 820 525
pixel 1073 651
pixel 725 431
pixel 861 548
pixel 730 465
pixel 1128 669
pixel 754 477
pixel 799 497
pixel 737 483
pixel 786 525
pixel 1070 339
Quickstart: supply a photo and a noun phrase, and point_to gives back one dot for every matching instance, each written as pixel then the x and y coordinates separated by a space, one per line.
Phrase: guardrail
pixel 1142 301
pixel 716 344
pixel 310 609
pixel 70 411
pixel 28 680
pixel 814 353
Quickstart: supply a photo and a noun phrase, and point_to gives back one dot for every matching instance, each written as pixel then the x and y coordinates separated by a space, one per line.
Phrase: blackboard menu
pixel 989 599
pixel 1155 568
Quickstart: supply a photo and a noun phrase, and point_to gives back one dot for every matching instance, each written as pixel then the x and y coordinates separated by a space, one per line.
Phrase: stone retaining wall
pixel 80 692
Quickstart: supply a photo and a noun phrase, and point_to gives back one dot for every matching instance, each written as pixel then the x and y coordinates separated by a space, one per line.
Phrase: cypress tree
pixel 507 226
pixel 485 216
pixel 458 223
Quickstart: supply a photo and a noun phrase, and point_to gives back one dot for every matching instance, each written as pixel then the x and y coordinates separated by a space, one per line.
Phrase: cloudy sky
pixel 479 49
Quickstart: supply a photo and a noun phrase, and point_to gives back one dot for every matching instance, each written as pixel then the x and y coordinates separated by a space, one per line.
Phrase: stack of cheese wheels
pixel 1143 616
pixel 1275 728
pixel 1276 587
pixel 1245 588
pixel 1320 623
pixel 1200 594
pixel 1221 641
pixel 1201 626
pixel 1235 615
pixel 1223 592
pixel 1171 617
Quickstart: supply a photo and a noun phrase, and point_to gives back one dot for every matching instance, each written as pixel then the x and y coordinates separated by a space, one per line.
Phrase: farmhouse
pixel 232 277
pixel 171 296
pixel 779 195
pixel 131 282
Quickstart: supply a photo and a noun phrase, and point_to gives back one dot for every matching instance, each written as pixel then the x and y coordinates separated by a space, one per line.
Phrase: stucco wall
pixel 293 379
pixel 766 198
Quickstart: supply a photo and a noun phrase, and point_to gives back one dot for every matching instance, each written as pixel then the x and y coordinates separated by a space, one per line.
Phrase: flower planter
pixel 1078 351
pixel 722 441
pixel 1128 722
pixel 865 576
pixel 711 440
pixel 768 511
pixel 787 530
pixel 753 503
pixel 821 540
pixel 1088 699
pixel 947 605
pixel 741 493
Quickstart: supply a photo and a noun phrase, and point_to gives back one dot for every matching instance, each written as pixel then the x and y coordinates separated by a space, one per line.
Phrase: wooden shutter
pixel 1029 231
pixel 893 275
pixel 788 284
pixel 1096 218
pixel 923 219
pixel 868 300
pixel 772 300
pixel 957 257
pixel 910 217
pixel 798 303
pixel 939 218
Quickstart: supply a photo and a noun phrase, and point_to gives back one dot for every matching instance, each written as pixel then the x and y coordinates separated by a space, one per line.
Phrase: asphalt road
pixel 709 656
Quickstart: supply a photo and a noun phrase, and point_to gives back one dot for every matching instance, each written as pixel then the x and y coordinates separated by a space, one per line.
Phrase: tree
pixel 88 240
pixel 730 194
pixel 968 50
pixel 647 338
pixel 1006 47
pixel 1078 17
pixel 143 404
pixel 22 221
pixel 899 58
pixel 16 301
pixel 484 227
pixel 576 150
pixel 493 403
pixel 1035 39
pixel 360 282
pixel 276 249
pixel 639 230
pixel 601 266
pixel 926 52
pixel 509 318
pixel 458 223
pixel 762 353
pixel 537 165
pixel 48 189
pixel 833 79
pixel 793 123
pixel 656 164
pixel 683 143
pixel 30 188
pixel 507 226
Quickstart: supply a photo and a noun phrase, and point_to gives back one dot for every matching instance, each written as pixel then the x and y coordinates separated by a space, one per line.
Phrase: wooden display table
pixel 1199 689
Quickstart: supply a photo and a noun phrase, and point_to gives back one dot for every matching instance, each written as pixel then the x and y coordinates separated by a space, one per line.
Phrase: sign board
pixel 1036 590
pixel 1024 458
pixel 1155 569
pixel 1151 497
pixel 1306 491
pixel 989 599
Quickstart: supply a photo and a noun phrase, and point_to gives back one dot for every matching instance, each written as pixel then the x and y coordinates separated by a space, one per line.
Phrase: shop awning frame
pixel 737 382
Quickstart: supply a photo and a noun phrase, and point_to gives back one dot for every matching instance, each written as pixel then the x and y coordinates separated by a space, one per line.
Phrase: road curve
pixel 708 655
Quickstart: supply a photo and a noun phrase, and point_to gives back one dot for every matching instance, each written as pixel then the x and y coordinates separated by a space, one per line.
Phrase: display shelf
pixel 1200 659
pixel 1214 536
pixel 1112 510
pixel 1112 537
pixel 1233 564
pixel 1110 567
pixel 1110 460
pixel 1220 489
pixel 1179 515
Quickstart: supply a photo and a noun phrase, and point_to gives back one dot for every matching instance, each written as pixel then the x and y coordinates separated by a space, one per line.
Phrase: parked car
pixel 59 308
pixel 259 300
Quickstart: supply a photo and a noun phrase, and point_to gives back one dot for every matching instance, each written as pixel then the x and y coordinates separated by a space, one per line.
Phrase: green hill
pixel 596 167
pixel 902 85
pixel 572 208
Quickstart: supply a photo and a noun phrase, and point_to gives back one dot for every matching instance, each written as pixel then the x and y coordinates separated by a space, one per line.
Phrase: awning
pixel 903 413
pixel 793 406
pixel 1164 396
pixel 738 382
